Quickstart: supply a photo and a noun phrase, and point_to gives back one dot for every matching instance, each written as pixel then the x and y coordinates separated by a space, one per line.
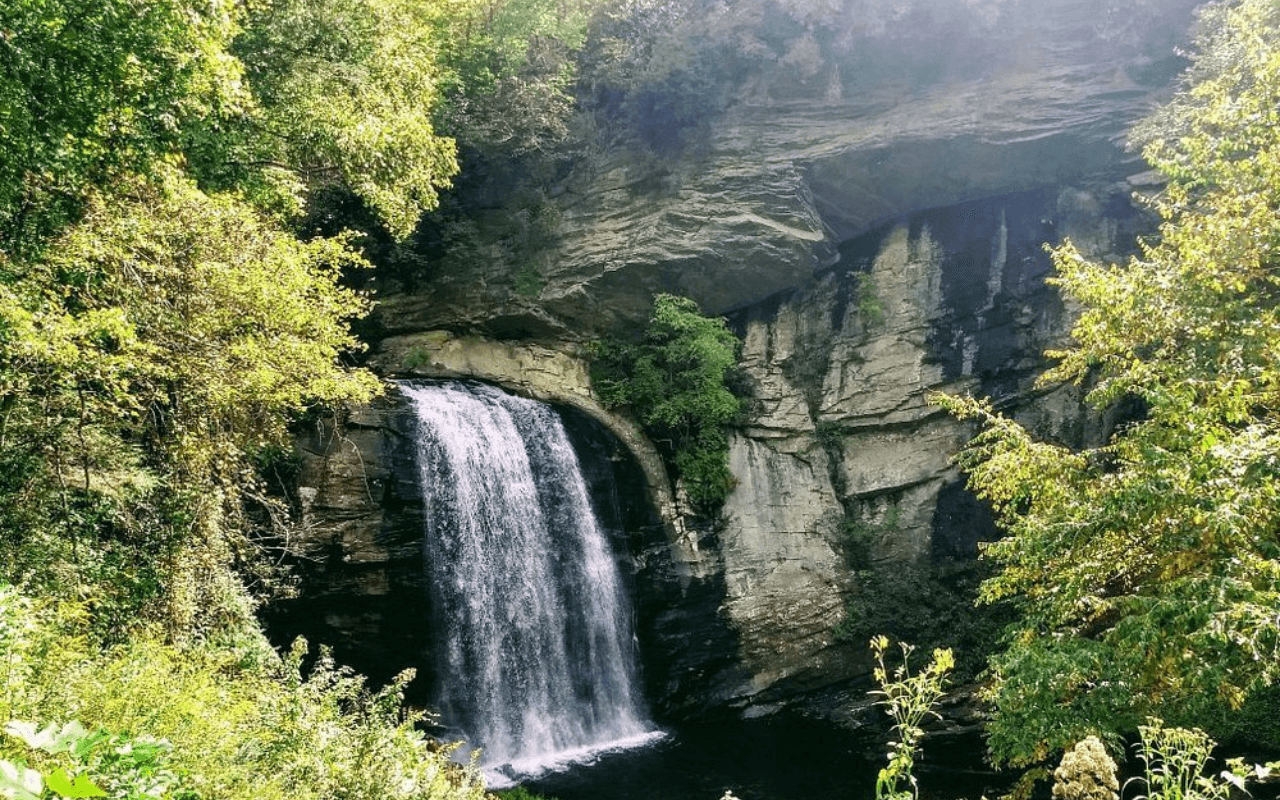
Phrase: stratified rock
pixel 844 450
pixel 920 111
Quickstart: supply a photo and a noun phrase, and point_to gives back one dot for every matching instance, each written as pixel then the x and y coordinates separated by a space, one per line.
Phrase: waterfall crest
pixel 536 658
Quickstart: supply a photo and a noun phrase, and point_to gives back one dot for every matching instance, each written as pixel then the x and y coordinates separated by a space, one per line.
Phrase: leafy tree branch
pixel 1147 570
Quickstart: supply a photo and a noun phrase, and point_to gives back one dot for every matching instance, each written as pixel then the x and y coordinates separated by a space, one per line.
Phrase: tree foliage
pixel 92 90
pixel 159 344
pixel 159 321
pixel 509 71
pixel 275 98
pixel 345 92
pixel 674 381
pixel 1147 570
pixel 162 322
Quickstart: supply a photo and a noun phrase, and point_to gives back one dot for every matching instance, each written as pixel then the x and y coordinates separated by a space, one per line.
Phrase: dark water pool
pixel 768 759
pixel 789 759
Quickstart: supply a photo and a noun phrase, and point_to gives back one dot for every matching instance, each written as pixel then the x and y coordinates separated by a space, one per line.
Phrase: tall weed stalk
pixel 1175 762
pixel 908 699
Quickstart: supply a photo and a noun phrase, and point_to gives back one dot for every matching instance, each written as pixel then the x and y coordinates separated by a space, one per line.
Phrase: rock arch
pixel 556 376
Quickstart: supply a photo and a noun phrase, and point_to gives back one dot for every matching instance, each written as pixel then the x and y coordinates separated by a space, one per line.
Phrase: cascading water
pixel 536 655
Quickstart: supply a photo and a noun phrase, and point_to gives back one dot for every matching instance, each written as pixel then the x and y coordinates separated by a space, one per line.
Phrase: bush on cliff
pixel 673 380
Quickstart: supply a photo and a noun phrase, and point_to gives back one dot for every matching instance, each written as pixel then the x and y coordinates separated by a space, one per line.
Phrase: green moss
pixel 529 282
pixel 416 357
pixel 870 306
pixel 930 604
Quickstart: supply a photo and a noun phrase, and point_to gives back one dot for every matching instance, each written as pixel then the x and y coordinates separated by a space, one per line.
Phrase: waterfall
pixel 536 656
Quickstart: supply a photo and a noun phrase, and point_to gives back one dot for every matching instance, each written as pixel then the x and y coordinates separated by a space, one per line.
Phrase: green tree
pixel 1147 570
pixel 344 93
pixel 158 325
pixel 674 381
pixel 509 72
pixel 276 98
pixel 160 322
pixel 159 345
pixel 91 89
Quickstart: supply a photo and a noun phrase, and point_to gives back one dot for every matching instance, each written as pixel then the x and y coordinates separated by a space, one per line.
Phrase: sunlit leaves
pixel 233 721
pixel 909 699
pixel 239 318
pixel 161 341
pixel 92 88
pixel 324 92
pixel 1148 569
pixel 159 324
pixel 346 92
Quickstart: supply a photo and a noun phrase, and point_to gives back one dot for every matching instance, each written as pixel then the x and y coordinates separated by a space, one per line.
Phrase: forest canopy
pixel 167 311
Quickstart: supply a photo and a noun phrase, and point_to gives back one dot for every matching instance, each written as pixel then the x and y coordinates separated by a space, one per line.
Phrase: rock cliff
pixel 874 237
pixel 844 464
pixel 758 192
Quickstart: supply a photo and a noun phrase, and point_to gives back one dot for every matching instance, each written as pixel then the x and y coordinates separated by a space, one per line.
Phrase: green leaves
pixel 91 89
pixel 1175 765
pixel 159 321
pixel 1147 569
pixel 63 784
pixel 174 331
pixel 228 720
pixel 131 767
pixel 674 381
pixel 509 73
pixel 908 699
pixel 345 94
pixel 276 98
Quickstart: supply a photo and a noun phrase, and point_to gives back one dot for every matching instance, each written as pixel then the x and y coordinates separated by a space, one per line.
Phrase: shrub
pixel 1174 762
pixel 1086 773
pixel 77 763
pixel 674 380
pixel 908 699
pixel 242 721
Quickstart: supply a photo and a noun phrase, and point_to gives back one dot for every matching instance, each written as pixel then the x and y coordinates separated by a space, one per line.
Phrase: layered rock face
pixel 927 106
pixel 845 464
pixel 874 237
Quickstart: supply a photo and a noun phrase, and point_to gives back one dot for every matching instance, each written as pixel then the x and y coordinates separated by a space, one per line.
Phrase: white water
pixel 536 656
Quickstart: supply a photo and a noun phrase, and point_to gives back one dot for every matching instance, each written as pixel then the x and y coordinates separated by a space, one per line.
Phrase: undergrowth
pixel 234 720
